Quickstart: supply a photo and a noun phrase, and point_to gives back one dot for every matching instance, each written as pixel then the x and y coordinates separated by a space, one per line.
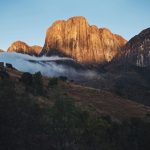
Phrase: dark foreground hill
pixel 52 113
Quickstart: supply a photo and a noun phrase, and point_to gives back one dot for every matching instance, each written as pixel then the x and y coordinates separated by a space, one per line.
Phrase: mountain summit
pixel 85 43
pixel 21 47
pixel 137 50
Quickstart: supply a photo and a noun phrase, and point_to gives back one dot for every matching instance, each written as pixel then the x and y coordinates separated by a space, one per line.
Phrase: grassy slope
pixel 99 102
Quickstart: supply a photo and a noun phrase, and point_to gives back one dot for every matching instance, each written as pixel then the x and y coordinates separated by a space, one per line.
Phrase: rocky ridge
pixel 85 43
pixel 21 47
pixel 137 50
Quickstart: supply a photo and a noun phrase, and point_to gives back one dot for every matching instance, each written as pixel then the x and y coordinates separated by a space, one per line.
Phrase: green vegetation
pixel 63 78
pixel 38 83
pixel 33 83
pixel 53 82
pixel 26 125
pixel 3 74
pixel 19 117
pixel 27 79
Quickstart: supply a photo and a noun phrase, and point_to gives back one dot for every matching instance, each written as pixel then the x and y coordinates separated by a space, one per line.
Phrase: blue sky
pixel 28 20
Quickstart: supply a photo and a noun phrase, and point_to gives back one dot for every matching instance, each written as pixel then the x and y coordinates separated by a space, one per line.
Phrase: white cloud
pixel 46 65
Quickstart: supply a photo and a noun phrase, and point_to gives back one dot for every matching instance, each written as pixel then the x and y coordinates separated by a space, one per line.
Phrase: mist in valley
pixel 48 66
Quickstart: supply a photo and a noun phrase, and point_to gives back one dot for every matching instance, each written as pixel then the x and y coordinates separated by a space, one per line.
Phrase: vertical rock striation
pixel 85 43
pixel 21 47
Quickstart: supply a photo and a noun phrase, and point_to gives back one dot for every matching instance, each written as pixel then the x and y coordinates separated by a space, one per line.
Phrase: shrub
pixel 9 66
pixel 38 84
pixel 65 124
pixel 4 75
pixel 33 83
pixel 53 82
pixel 27 78
pixel 20 119
pixel 63 78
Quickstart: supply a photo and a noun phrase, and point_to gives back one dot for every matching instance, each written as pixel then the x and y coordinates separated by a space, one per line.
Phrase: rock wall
pixel 85 43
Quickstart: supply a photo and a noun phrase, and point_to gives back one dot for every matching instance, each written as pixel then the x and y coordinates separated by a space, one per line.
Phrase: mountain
pixel 77 39
pixel 99 101
pixel 37 49
pixel 54 114
pixel 128 75
pixel 137 50
pixel 21 47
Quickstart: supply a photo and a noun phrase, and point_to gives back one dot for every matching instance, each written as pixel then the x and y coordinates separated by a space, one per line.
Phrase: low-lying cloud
pixel 46 65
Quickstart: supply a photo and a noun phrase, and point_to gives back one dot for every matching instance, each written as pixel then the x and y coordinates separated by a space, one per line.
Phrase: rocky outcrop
pixel 21 47
pixel 137 50
pixel 37 49
pixel 85 43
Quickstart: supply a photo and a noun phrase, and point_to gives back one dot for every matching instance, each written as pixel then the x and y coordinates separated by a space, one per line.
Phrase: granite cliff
pixel 21 47
pixel 85 43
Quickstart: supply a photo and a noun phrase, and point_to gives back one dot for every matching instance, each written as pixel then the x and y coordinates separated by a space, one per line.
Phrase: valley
pixel 86 88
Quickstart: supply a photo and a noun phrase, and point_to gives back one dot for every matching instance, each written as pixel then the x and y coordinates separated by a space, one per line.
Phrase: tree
pixel 20 119
pixel 64 124
pixel 38 84
pixel 53 82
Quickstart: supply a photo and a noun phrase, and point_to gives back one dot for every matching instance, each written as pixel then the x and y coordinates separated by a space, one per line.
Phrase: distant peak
pixel 58 22
pixel 77 18
pixel 85 43
pixel 37 49
pixel 72 19
pixel 146 31
pixel 22 47
pixel 18 42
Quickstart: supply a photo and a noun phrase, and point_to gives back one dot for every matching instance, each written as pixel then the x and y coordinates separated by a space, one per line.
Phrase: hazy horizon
pixel 28 21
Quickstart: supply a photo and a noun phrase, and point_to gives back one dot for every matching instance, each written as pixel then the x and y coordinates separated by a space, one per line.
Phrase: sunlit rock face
pixel 21 47
pixel 137 50
pixel 37 49
pixel 85 43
